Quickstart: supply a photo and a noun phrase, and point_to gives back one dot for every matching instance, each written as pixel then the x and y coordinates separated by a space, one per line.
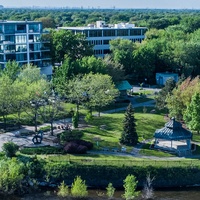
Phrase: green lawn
pixel 146 151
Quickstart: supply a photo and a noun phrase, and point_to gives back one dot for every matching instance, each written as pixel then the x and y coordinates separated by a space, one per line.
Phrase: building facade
pixel 100 34
pixel 21 41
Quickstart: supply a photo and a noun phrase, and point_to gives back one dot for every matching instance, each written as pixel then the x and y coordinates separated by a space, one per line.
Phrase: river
pixel 181 194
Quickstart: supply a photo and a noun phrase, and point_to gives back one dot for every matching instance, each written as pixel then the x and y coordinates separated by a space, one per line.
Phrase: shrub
pixel 12 174
pixel 73 147
pixel 10 149
pixel 79 188
pixel 42 150
pixel 69 135
pixel 110 191
pixel 130 185
pixel 89 145
pixel 63 190
pixel 88 117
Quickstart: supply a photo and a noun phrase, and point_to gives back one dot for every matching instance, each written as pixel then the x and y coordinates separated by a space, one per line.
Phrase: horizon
pixel 103 4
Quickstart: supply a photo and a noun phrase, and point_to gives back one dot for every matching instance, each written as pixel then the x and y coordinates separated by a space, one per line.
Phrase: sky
pixel 168 4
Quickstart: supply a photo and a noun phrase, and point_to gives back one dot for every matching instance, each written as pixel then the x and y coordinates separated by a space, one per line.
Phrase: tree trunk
pixel 35 119
pixel 4 121
pixel 51 128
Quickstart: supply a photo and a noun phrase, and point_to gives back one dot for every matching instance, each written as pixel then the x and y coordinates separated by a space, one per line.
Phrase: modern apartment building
pixel 21 41
pixel 100 34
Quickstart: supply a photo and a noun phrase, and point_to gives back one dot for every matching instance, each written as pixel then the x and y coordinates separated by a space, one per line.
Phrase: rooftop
pixel 173 130
pixel 103 25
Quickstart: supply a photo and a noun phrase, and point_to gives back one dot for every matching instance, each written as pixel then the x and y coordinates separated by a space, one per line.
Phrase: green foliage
pixel 88 117
pixel 63 190
pixel 10 149
pixel 162 95
pixel 192 113
pixel 129 135
pixel 12 174
pixel 130 185
pixel 69 135
pixel 42 150
pixel 110 191
pixel 75 120
pixel 79 188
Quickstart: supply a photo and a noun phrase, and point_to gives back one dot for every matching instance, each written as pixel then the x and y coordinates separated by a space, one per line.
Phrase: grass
pixel 97 159
pixel 146 151
pixel 143 99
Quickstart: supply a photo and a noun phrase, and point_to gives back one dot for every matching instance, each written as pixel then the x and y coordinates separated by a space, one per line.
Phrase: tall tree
pixel 37 88
pixel 122 52
pixel 129 135
pixel 100 91
pixel 65 43
pixel 192 113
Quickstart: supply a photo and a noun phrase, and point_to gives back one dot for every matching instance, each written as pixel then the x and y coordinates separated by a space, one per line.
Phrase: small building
pixel 161 78
pixel 123 86
pixel 174 138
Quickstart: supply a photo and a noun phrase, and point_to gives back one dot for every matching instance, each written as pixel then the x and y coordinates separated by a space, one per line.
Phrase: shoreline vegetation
pixel 48 167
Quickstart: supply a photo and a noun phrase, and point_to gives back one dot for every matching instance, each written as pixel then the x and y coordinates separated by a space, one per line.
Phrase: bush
pixel 69 135
pixel 42 150
pixel 110 191
pixel 89 145
pixel 73 147
pixel 10 149
pixel 63 190
pixel 79 188
pixel 130 185
pixel 12 174
pixel 88 117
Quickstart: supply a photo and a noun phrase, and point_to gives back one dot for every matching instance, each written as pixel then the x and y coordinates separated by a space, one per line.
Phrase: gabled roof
pixel 124 85
pixel 173 130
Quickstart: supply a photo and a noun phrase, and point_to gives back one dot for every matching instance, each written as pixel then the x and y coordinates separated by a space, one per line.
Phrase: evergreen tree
pixel 129 135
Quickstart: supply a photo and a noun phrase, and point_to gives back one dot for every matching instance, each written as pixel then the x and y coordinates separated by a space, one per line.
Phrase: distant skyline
pixel 150 4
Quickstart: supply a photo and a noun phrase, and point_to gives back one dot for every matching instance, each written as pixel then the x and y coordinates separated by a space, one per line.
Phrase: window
pixel 9 28
pixel 106 41
pixel 135 32
pixel 95 33
pixel 108 33
pixel 21 28
pixel 20 48
pixel 34 28
pixel 106 51
pixel 10 57
pixel 10 38
pixel 20 39
pixel 122 32
pixel 21 57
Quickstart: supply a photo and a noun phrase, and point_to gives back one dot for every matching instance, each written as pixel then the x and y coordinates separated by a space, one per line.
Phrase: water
pixel 186 194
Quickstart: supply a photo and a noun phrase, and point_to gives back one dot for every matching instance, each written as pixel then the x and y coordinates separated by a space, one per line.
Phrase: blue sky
pixel 169 4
